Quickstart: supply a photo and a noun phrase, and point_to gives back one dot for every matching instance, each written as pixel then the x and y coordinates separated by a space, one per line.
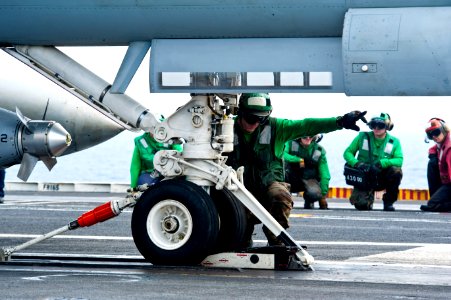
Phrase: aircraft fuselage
pixel 119 22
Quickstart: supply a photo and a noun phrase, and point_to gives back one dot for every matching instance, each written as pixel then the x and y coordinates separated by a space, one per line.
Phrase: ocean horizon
pixel 109 162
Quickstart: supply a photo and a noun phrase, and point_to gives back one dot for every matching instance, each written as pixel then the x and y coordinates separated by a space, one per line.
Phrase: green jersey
pixel 143 154
pixel 261 152
pixel 387 151
pixel 315 162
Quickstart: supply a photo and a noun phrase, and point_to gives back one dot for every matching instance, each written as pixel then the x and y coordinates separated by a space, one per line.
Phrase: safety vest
pixel 377 154
pixel 311 156
pixel 261 166
pixel 314 157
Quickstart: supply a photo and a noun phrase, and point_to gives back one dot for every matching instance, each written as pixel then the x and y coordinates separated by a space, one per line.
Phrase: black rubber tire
pixel 205 223
pixel 232 221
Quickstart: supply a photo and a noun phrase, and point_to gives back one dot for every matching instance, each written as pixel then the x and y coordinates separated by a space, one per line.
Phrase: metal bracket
pixel 267 258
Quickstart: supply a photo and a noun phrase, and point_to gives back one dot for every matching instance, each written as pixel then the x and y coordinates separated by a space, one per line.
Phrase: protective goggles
pixel 377 125
pixel 252 119
pixel 436 132
pixel 307 137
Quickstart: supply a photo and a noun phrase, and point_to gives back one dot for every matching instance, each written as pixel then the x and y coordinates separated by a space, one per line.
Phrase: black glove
pixel 376 168
pixel 349 120
pixel 363 166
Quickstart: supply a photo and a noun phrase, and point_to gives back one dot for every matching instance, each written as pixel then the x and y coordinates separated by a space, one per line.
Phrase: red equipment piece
pixel 99 214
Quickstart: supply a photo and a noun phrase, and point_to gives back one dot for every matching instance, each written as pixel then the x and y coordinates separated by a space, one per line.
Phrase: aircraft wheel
pixel 175 223
pixel 232 221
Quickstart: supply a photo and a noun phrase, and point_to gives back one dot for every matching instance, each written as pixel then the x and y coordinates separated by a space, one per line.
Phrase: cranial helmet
pixel 255 103
pixel 436 126
pixel 382 118
pixel 434 123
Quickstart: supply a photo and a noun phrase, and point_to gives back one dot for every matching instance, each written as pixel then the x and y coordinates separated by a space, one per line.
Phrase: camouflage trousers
pixel 312 190
pixel 277 200
pixel 279 204
pixel 362 199
pixel 389 179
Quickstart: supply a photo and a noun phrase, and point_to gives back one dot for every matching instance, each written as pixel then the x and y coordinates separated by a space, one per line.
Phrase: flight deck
pixel 374 254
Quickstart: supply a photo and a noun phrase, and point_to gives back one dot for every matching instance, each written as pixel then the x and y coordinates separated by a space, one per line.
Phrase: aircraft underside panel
pixel 239 65
pixel 119 22
pixel 399 52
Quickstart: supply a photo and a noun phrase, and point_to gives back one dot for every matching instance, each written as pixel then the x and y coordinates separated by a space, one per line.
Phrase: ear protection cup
pixel 319 137
pixel 388 121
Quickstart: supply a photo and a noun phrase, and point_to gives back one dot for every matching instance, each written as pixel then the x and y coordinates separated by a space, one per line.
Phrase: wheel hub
pixel 170 224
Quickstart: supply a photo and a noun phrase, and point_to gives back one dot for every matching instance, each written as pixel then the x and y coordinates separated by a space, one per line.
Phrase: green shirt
pixel 387 151
pixel 143 154
pixel 261 152
pixel 287 130
pixel 316 166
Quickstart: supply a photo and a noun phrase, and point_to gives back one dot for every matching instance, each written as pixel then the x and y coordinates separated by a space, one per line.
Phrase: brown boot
pixel 323 203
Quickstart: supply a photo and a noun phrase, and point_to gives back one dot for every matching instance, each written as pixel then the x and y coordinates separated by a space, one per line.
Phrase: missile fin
pixel 26 166
pixel 49 162
pixel 22 118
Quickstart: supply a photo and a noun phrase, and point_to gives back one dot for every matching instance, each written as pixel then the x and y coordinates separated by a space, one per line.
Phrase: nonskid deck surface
pixel 354 251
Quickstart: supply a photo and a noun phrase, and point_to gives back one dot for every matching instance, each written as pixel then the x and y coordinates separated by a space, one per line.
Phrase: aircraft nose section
pixel 58 139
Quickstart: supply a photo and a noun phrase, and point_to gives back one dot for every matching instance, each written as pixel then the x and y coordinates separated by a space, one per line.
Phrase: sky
pixel 409 114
